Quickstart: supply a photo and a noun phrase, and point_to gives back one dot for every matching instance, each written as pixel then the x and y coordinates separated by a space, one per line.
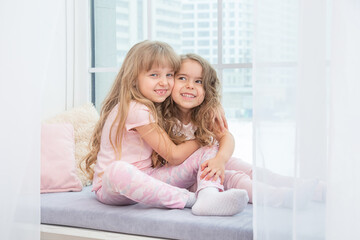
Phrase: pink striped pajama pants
pixel 238 174
pixel 123 183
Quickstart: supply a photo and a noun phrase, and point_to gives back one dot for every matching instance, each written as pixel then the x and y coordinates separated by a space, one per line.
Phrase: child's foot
pixel 304 191
pixel 320 192
pixel 212 202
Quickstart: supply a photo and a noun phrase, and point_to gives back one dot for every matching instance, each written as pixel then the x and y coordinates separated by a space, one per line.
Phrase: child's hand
pixel 213 168
pixel 220 119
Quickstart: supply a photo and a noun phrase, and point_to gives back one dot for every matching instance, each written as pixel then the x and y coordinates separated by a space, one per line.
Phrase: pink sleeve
pixel 139 115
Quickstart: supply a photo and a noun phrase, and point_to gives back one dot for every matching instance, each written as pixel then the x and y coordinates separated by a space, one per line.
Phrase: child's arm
pixel 161 143
pixel 220 119
pixel 215 167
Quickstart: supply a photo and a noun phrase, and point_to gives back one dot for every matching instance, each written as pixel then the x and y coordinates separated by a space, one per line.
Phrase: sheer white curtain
pixel 26 29
pixel 306 119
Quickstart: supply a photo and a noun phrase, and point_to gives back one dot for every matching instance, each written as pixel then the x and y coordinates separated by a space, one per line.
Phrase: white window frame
pixel 78 54
pixel 219 66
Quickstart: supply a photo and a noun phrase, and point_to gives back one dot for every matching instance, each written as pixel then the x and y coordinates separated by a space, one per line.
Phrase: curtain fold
pixel 306 115
pixel 343 210
pixel 25 47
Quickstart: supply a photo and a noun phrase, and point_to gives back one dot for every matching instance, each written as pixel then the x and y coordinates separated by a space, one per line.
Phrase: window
pixel 203 6
pixel 188 16
pixel 167 24
pixel 203 34
pixel 188 34
pixel 168 13
pixel 188 43
pixel 203 43
pixel 204 52
pixel 203 15
pixel 188 26
pixel 188 7
pixel 203 24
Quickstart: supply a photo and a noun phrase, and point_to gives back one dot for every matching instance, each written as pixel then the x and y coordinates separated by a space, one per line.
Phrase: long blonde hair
pixel 202 116
pixel 141 57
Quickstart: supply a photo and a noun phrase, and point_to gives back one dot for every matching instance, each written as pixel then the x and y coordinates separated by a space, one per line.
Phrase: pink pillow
pixel 58 159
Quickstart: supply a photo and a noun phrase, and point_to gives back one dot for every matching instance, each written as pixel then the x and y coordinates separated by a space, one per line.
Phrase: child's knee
pixel 118 171
pixel 209 152
pixel 239 180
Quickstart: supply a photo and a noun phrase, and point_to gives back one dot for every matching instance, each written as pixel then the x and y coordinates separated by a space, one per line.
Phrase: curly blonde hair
pixel 202 116
pixel 141 57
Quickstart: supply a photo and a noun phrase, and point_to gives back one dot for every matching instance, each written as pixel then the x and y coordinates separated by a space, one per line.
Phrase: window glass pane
pixel 188 43
pixel 181 29
pixel 188 34
pixel 188 16
pixel 283 38
pixel 203 52
pixel 203 34
pixel 237 31
pixel 103 83
pixel 204 15
pixel 237 93
pixel 203 42
pixel 203 6
pixel 166 23
pixel 116 29
pixel 188 7
pixel 203 24
pixel 237 103
pixel 277 93
pixel 188 26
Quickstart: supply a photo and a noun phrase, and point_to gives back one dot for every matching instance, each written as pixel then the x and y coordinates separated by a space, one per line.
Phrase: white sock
pixel 191 201
pixel 212 202
pixel 305 191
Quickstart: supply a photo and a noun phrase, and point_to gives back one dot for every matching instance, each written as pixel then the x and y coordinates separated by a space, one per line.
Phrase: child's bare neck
pixel 186 117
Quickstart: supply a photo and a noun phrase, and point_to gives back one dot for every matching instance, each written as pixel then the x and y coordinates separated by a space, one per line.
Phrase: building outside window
pixel 188 26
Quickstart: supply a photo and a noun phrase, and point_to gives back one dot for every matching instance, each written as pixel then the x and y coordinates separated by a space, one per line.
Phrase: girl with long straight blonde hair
pixel 129 130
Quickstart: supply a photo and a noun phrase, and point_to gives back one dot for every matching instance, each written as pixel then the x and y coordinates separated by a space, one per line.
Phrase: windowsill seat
pixel 82 210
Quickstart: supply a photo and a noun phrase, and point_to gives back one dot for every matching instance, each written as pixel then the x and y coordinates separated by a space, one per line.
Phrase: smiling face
pixel 157 83
pixel 188 91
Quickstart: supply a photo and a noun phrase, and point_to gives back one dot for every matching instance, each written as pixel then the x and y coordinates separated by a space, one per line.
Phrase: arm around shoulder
pixel 161 143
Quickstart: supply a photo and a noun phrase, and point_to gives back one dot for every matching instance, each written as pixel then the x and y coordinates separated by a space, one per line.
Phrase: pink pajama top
pixel 134 150
pixel 188 130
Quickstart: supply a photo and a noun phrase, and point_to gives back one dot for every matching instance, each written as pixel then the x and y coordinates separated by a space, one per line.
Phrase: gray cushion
pixel 81 209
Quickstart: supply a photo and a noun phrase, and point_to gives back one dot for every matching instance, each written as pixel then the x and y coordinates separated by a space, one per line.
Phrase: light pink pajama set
pixel 131 179
pixel 276 190
pixel 238 173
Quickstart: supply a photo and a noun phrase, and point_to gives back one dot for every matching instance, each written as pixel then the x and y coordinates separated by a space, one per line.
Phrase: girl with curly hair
pixel 189 114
